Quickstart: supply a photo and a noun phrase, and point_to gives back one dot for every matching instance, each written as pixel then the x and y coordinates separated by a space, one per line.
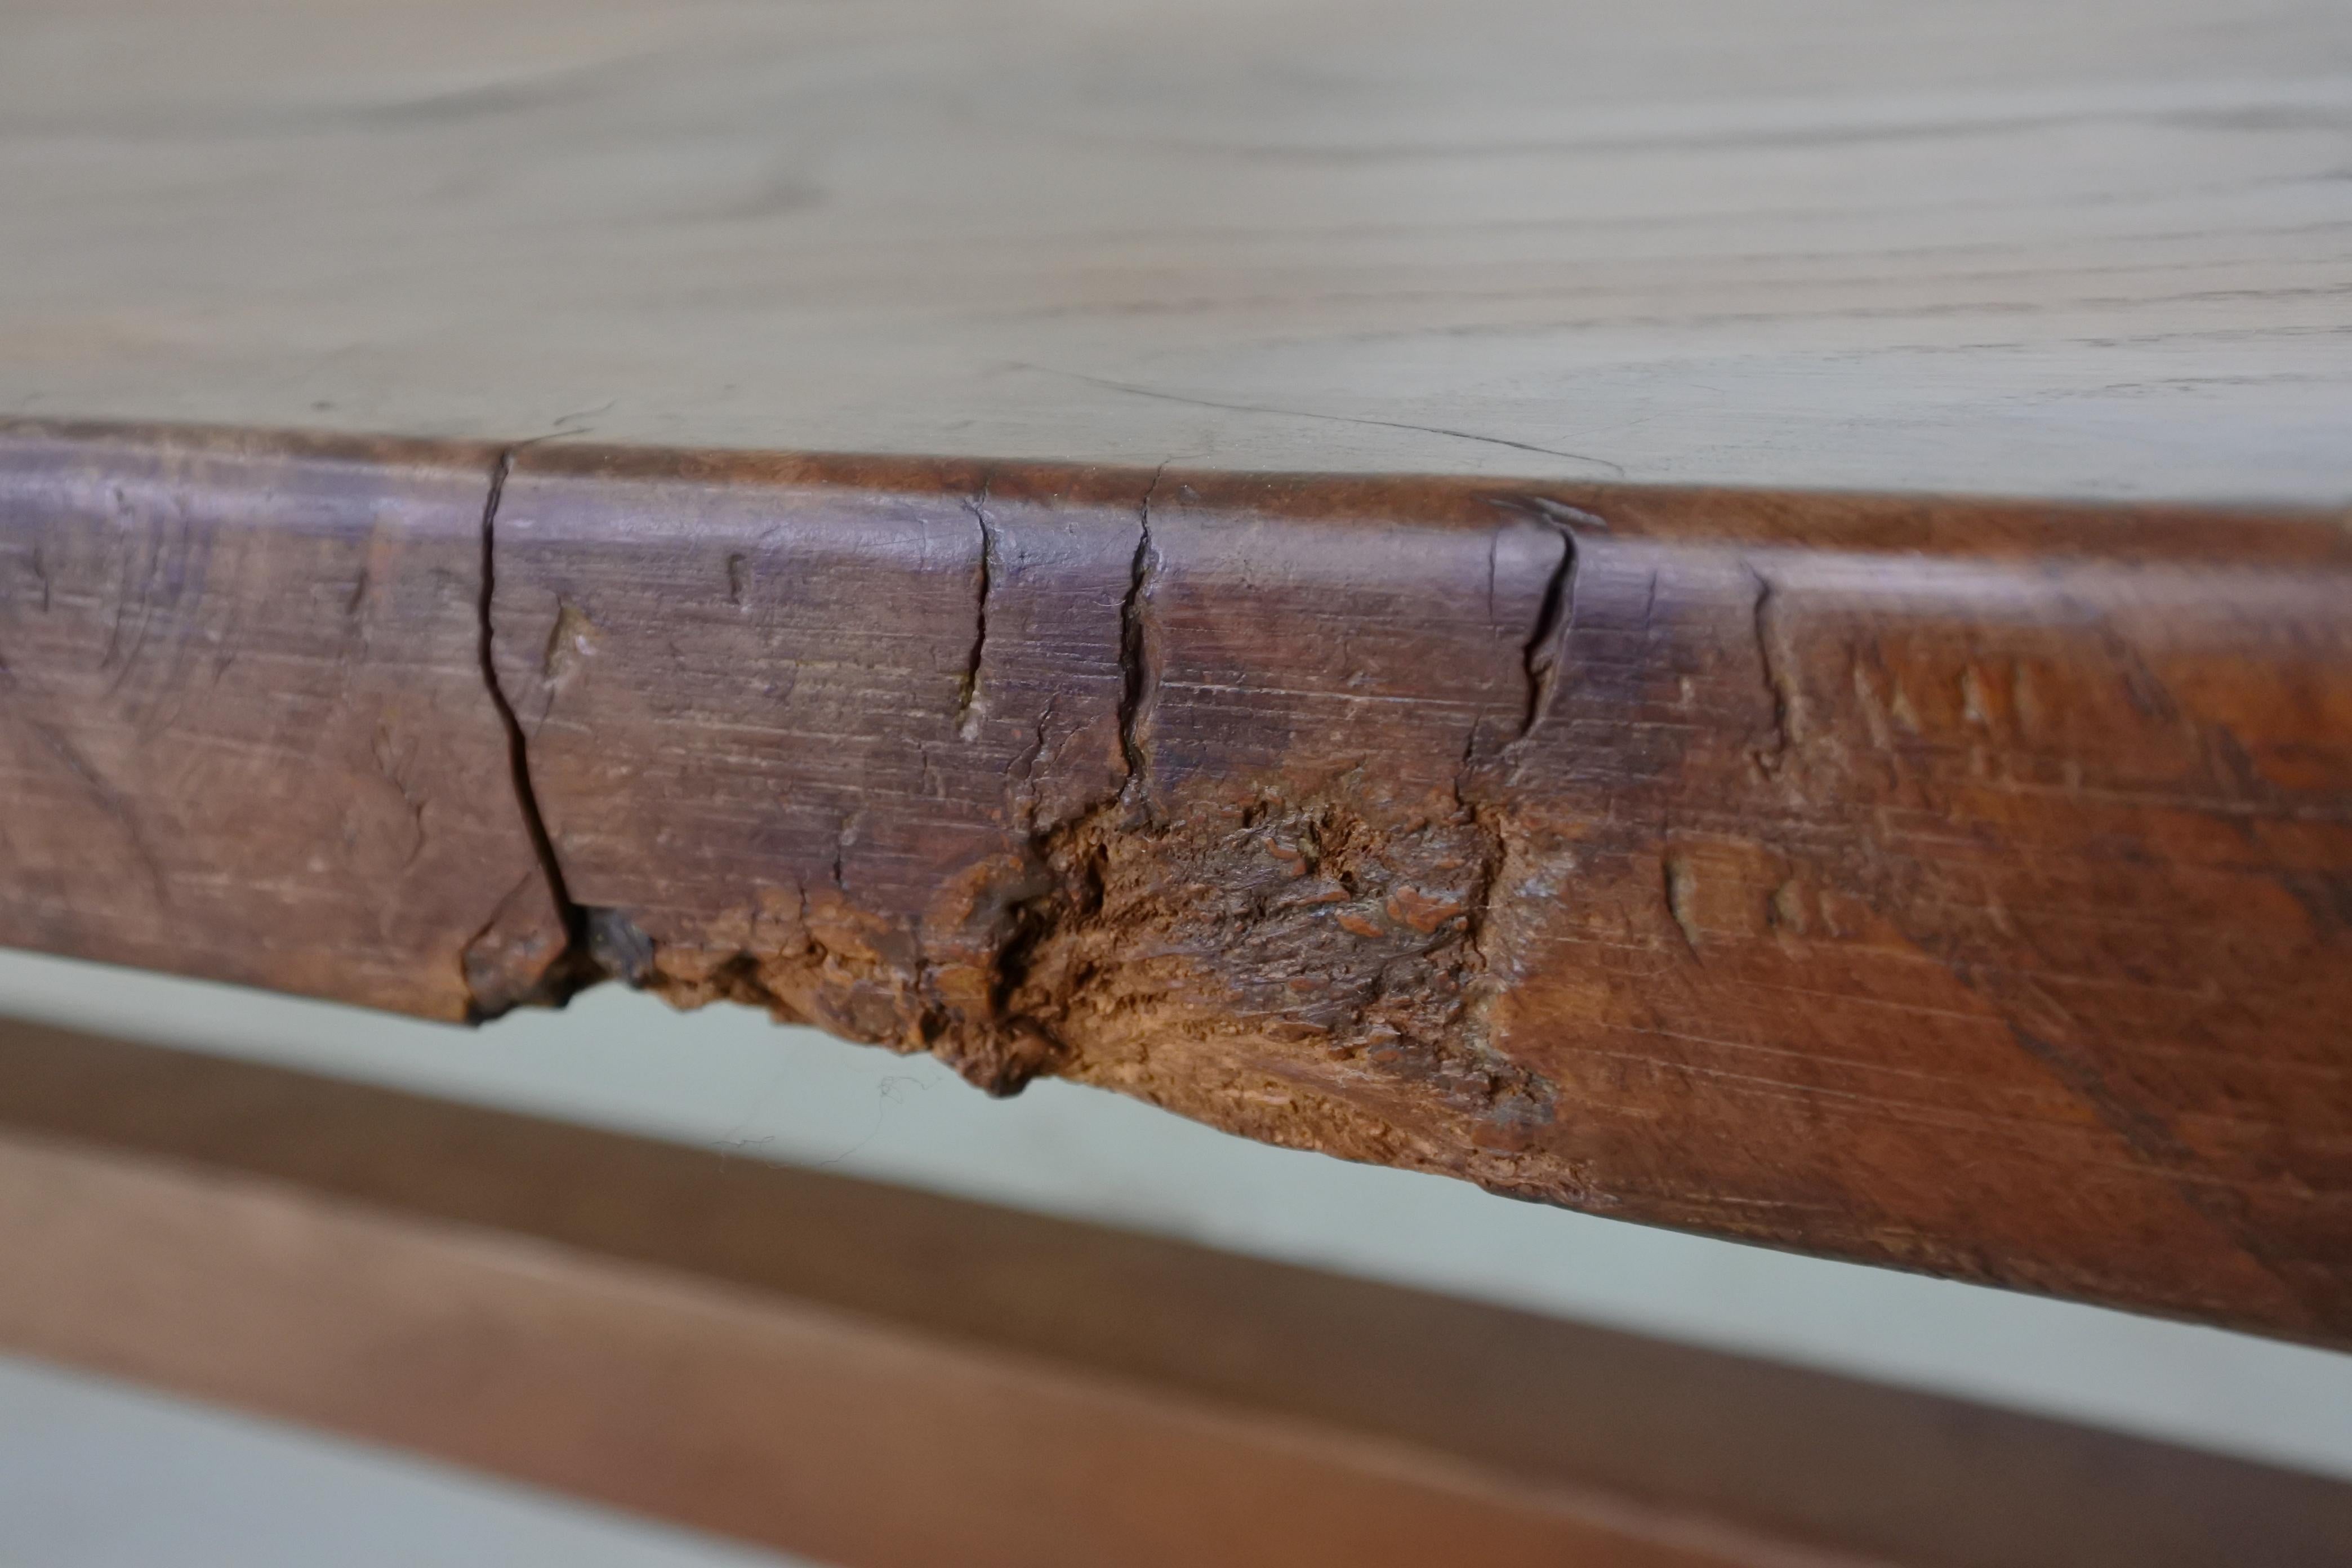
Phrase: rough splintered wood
pixel 1955 886
pixel 1962 886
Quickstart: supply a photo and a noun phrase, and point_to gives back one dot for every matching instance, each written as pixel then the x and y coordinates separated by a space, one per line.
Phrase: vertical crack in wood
pixel 1777 685
pixel 970 709
pixel 491 979
pixel 1541 655
pixel 1545 648
pixel 1134 647
pixel 1063 867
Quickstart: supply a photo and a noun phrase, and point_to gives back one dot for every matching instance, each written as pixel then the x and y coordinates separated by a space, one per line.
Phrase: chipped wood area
pixel 1956 885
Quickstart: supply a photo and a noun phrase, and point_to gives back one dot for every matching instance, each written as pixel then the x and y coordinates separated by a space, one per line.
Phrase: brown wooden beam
pixel 875 1376
pixel 244 729
pixel 1960 885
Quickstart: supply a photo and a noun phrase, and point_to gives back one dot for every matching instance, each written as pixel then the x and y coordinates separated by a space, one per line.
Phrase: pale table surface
pixel 2085 248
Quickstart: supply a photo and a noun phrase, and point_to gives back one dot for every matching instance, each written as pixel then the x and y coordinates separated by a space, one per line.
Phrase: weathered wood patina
pixel 1958 884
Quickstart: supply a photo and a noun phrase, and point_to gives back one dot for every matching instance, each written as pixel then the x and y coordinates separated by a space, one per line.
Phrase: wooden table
pixel 1734 616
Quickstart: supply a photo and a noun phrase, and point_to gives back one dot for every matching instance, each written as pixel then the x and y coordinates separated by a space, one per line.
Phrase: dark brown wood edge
pixel 1954 884
pixel 877 1375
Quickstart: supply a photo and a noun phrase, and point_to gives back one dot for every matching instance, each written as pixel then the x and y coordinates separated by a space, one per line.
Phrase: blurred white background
pixel 96 1474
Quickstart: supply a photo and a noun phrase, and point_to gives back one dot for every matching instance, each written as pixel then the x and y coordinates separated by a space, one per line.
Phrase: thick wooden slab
pixel 881 1376
pixel 1952 886
pixel 1959 885
pixel 2080 247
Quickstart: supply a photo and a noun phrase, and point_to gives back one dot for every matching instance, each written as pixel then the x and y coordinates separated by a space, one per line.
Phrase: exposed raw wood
pixel 1959 885
pixel 879 1377
pixel 1954 886
pixel 2088 247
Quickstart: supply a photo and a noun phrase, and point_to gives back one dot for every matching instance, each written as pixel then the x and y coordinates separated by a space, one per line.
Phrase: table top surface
pixel 2082 248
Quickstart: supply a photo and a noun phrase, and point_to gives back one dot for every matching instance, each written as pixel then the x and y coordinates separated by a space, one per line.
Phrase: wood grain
pixel 2044 248
pixel 1764 847
pixel 243 726
pixel 1952 885
pixel 1957 886
pixel 880 1377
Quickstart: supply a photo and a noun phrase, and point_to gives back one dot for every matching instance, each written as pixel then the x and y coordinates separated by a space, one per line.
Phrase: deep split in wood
pixel 1959 885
